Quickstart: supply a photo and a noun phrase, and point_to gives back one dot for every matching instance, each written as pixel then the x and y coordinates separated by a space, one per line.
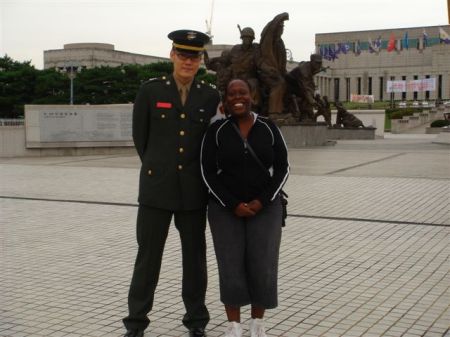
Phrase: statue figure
pixel 301 84
pixel 263 66
pixel 221 67
pixel 346 119
pixel 323 109
pixel 242 61
pixel 272 65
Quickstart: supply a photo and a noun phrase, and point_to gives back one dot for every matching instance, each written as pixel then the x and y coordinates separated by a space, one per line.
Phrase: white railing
pixel 11 122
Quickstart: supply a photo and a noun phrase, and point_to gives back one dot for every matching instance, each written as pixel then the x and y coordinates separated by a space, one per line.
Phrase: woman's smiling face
pixel 238 101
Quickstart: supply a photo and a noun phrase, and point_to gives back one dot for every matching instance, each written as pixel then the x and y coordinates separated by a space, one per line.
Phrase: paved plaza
pixel 365 251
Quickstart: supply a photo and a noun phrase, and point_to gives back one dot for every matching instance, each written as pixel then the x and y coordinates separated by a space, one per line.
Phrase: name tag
pixel 164 105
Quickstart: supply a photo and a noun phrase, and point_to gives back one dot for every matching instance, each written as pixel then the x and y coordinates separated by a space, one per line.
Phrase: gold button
pixel 180 167
pixel 181 150
pixel 181 133
pixel 149 172
pixel 163 116
pixel 183 116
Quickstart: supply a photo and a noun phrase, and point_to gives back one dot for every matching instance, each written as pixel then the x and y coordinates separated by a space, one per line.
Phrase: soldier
pixel 170 116
pixel 243 62
pixel 323 109
pixel 221 67
pixel 301 84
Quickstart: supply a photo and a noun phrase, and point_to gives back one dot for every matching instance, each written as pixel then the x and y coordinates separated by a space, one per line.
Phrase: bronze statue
pixel 263 66
pixel 220 65
pixel 242 62
pixel 346 119
pixel 323 109
pixel 272 65
pixel 301 84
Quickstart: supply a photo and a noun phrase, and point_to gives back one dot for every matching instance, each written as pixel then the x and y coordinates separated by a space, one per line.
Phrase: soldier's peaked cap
pixel 189 41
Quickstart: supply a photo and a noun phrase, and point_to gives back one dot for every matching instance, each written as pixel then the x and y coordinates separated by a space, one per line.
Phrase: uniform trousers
pixel 152 230
pixel 247 251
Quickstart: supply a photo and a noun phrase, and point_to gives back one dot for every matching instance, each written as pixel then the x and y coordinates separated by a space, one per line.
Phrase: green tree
pixel 17 80
pixel 51 87
pixel 21 83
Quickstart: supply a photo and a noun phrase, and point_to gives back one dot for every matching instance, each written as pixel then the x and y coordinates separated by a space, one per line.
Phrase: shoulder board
pixel 202 82
pixel 156 79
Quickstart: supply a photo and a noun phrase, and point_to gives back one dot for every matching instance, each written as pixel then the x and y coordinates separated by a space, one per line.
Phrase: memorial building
pixel 371 62
pixel 91 55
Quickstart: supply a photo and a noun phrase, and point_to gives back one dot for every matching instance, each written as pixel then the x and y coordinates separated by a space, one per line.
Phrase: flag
pixel 405 41
pixel 325 54
pixel 377 44
pixel 443 36
pixel 332 52
pixel 374 47
pixel 391 43
pixel 425 38
pixel 371 49
pixel 337 50
pixel 357 48
pixel 345 47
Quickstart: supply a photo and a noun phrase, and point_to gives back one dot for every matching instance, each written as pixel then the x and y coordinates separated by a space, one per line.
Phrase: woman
pixel 244 210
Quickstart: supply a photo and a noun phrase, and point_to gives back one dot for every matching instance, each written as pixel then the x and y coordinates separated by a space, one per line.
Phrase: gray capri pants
pixel 247 251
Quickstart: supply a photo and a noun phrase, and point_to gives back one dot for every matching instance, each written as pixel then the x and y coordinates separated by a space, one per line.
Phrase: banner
pixel 362 98
pixel 396 86
pixel 425 84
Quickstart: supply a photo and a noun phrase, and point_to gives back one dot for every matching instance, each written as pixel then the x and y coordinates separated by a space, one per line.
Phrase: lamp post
pixel 71 70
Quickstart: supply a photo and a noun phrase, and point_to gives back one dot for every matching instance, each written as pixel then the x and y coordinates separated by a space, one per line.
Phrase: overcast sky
pixel 28 27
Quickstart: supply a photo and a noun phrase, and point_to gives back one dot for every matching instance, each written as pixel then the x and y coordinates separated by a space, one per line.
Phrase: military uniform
pixel 167 136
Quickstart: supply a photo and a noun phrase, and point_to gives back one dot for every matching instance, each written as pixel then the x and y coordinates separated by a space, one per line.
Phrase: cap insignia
pixel 191 35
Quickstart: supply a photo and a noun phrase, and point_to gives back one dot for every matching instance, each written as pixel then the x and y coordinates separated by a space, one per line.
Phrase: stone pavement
pixel 365 251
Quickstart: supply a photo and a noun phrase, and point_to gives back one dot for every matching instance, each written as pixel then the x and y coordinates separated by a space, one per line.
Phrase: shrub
pixel 440 123
pixel 397 113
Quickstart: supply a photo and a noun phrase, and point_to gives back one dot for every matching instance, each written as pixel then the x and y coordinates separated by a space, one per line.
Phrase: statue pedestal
pixel 302 135
pixel 351 133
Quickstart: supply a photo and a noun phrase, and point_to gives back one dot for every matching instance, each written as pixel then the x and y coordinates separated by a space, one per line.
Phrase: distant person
pixel 170 116
pixel 244 211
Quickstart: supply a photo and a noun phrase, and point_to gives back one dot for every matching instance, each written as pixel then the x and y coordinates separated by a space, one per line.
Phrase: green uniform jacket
pixel 168 136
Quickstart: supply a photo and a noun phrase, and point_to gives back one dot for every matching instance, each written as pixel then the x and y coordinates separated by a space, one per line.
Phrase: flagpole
pixel 448 10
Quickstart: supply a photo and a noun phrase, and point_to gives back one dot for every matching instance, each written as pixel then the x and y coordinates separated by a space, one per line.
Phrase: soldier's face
pixel 247 41
pixel 185 66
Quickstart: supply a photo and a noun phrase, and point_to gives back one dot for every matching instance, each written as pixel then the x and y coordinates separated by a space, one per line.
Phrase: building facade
pixel 91 55
pixel 359 63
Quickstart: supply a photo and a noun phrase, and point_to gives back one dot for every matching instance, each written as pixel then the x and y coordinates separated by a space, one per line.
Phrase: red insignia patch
pixel 164 105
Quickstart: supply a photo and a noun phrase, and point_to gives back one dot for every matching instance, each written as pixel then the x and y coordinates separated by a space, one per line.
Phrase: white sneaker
pixel 257 328
pixel 234 330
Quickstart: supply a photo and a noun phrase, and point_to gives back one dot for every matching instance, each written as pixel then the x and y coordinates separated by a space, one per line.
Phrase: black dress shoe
pixel 134 333
pixel 197 332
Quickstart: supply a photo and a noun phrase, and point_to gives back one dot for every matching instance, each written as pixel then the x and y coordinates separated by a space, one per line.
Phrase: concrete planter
pixel 430 130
